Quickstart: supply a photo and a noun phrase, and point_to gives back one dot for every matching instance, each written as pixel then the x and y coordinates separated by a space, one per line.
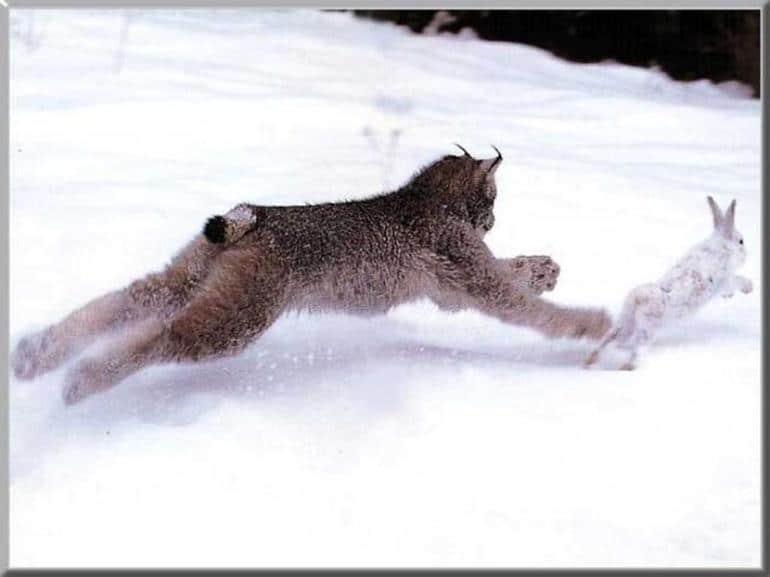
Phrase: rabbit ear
pixel 716 214
pixel 728 224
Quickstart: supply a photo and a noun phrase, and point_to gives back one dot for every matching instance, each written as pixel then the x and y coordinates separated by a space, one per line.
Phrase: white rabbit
pixel 706 271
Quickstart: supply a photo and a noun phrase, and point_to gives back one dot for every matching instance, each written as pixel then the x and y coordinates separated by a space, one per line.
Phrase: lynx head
pixel 463 186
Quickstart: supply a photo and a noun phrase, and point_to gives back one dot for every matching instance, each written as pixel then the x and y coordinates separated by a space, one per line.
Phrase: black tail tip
pixel 215 229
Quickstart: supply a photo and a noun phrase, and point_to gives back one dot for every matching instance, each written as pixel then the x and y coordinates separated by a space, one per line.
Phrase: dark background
pixel 719 45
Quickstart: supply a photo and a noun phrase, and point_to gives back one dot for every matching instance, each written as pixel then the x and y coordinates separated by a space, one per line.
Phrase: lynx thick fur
pixel 364 257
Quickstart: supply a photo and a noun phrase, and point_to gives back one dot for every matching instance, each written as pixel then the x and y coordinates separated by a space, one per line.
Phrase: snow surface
pixel 416 439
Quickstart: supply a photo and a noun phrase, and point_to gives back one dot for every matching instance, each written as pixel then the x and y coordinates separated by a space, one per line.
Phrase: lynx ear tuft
pixel 490 164
pixel 216 229
pixel 465 152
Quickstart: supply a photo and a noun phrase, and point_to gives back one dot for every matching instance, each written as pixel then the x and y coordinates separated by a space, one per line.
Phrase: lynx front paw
pixel 34 355
pixel 539 273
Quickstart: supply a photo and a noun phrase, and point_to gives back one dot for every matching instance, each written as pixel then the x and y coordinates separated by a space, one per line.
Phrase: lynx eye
pixel 740 241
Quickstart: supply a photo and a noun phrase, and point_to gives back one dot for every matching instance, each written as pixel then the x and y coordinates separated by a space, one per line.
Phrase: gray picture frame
pixel 414 4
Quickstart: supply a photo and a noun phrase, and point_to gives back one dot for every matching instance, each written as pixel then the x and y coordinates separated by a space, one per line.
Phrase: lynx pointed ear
pixel 716 214
pixel 490 164
pixel 465 152
pixel 728 225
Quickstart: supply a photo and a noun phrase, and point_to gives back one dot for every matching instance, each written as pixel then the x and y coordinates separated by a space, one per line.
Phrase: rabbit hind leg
pixel 646 311
pixel 624 332
pixel 594 356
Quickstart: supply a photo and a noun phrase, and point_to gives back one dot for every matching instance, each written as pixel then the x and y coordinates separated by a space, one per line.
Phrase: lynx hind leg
pixel 48 349
pixel 157 294
pixel 538 273
pixel 233 308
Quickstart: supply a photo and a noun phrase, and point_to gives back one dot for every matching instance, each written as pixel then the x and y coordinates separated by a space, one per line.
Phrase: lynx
pixel 228 285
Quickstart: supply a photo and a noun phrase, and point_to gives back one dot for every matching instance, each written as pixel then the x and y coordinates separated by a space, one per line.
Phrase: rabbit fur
pixel 707 270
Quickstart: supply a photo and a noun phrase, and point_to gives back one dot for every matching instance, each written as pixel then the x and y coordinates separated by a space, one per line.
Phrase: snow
pixel 416 439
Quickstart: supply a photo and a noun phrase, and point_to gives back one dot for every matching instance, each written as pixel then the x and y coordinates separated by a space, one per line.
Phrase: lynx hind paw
pixel 83 380
pixel 539 272
pixel 33 356
pixel 75 390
